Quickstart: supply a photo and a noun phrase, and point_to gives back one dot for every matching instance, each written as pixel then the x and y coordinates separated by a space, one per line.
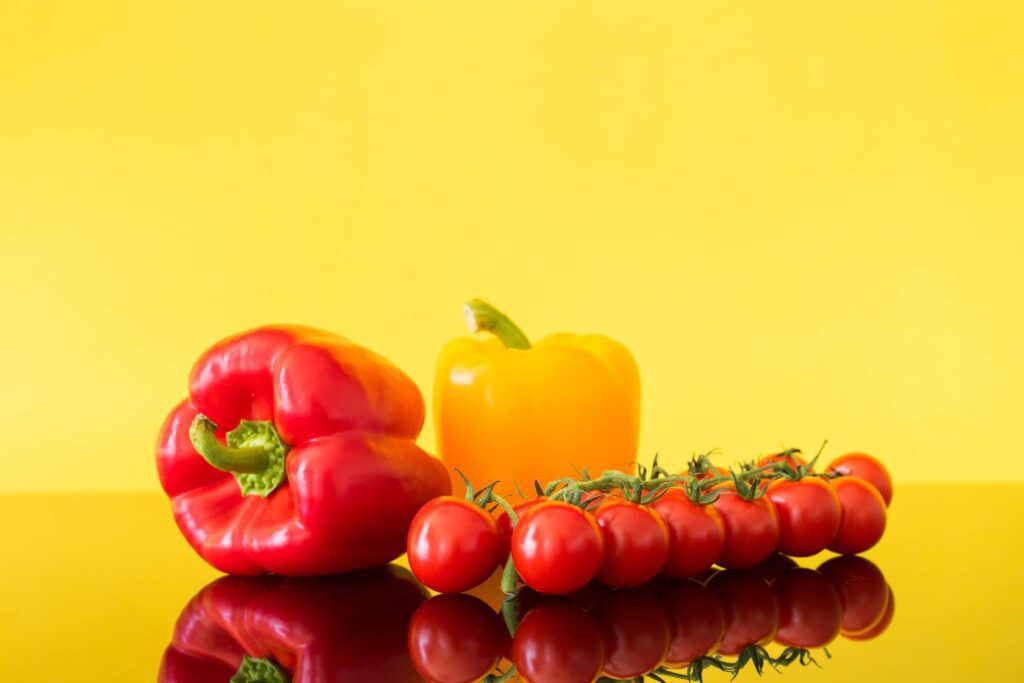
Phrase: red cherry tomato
pixel 505 523
pixel 883 623
pixel 868 468
pixel 750 607
pixel 862 591
pixel 453 545
pixel 751 530
pixel 696 534
pixel 558 641
pixel 456 638
pixel 810 614
pixel 792 459
pixel 635 633
pixel 696 623
pixel 808 512
pixel 635 544
pixel 557 548
pixel 862 522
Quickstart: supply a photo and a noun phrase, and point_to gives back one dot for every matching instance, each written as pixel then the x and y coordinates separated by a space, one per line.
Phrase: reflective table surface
pixel 103 588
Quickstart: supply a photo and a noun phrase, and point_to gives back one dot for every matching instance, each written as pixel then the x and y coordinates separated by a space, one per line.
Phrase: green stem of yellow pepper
pixel 480 315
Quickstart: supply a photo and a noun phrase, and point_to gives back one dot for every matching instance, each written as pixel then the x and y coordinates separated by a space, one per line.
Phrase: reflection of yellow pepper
pixel 509 410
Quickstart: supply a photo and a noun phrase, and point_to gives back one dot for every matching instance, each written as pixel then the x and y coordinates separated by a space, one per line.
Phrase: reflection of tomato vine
pixel 671 630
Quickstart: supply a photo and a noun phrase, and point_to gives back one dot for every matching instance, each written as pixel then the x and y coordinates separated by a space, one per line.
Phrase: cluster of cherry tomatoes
pixel 679 527
pixel 669 624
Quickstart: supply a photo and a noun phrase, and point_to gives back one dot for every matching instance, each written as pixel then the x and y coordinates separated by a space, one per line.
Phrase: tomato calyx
pixel 700 465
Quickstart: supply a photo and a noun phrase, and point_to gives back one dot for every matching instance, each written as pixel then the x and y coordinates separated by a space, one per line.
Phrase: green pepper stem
pixel 203 435
pixel 480 315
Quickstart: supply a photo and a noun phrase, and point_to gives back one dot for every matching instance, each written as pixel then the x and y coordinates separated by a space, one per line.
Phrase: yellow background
pixel 804 218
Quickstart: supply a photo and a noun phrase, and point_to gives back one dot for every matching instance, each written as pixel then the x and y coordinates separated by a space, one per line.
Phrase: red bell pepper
pixel 295 454
pixel 273 629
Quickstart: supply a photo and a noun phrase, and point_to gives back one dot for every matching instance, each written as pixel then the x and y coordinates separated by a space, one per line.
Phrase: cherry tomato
pixel 635 633
pixel 453 545
pixel 505 523
pixel 862 522
pixel 883 623
pixel 558 641
pixel 810 613
pixel 808 512
pixel 696 623
pixel 792 459
pixel 635 544
pixel 696 534
pixel 557 548
pixel 456 638
pixel 751 530
pixel 750 608
pixel 868 468
pixel 862 591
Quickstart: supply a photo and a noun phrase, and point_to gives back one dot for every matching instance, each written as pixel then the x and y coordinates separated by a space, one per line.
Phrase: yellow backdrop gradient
pixel 804 218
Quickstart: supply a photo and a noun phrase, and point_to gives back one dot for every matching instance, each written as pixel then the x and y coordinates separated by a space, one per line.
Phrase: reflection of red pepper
pixel 346 628
pixel 320 438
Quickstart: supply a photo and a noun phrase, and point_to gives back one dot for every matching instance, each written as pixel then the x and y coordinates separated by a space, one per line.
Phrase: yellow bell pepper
pixel 511 411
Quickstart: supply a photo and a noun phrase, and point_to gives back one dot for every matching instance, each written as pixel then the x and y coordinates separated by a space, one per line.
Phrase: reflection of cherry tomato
pixel 696 622
pixel 453 545
pixel 862 591
pixel 750 607
pixel 751 530
pixel 635 544
pixel 862 522
pixel 792 459
pixel 635 633
pixel 883 623
pixel 557 641
pixel 808 512
pixel 774 567
pixel 557 548
pixel 809 610
pixel 456 639
pixel 696 534
pixel 505 523
pixel 868 468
